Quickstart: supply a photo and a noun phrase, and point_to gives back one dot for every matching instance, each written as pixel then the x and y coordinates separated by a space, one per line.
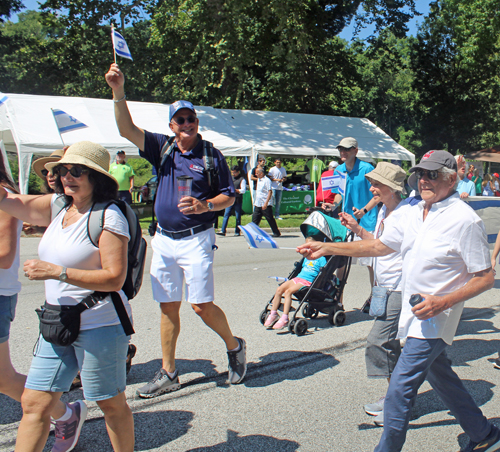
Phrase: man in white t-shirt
pixel 263 202
pixel 446 260
pixel 277 174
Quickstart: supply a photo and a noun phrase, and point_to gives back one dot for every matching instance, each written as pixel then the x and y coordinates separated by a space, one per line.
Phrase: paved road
pixel 301 393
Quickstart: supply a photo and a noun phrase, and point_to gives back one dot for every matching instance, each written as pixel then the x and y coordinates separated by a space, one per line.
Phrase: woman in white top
pixel 73 268
pixel 382 348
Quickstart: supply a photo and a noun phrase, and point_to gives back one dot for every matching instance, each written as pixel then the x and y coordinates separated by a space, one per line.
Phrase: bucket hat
pixel 86 153
pixel 389 174
pixel 39 164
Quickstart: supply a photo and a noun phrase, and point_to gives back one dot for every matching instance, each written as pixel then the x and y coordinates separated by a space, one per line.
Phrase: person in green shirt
pixel 124 174
pixel 476 178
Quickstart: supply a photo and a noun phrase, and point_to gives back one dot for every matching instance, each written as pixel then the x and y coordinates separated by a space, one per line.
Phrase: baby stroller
pixel 324 294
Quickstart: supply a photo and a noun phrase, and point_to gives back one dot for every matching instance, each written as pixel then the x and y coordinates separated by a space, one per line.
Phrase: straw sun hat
pixel 39 164
pixel 91 155
pixel 389 174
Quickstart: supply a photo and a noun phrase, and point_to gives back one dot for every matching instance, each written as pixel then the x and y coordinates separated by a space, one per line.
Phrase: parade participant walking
pixel 277 174
pixel 446 261
pixel 263 202
pixel 73 268
pixel 465 186
pixel 124 174
pixel 240 186
pixel 184 243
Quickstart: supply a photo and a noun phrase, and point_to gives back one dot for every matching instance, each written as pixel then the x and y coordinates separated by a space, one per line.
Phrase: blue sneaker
pixel 489 444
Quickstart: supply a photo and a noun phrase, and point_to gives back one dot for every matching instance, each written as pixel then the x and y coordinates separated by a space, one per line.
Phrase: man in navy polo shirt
pixel 184 243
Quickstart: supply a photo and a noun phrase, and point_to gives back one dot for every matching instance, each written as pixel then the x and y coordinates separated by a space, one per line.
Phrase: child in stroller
pixel 308 273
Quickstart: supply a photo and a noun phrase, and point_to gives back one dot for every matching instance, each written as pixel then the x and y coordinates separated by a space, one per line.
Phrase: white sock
pixel 66 415
pixel 171 374
pixel 237 349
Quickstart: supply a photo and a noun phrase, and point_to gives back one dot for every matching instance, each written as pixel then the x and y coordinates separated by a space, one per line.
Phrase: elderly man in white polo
pixel 446 261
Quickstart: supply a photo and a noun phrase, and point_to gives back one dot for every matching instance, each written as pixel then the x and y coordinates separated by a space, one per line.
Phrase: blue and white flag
pixel 120 45
pixel 65 122
pixel 3 98
pixel 256 237
pixel 335 181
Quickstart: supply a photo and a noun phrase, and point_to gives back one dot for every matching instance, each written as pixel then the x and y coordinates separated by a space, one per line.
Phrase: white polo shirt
pixel 262 191
pixel 440 255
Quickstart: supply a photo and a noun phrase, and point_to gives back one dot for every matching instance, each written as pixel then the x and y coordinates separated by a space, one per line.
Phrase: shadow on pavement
pixel 463 438
pixel 465 350
pixel 11 410
pixel 250 443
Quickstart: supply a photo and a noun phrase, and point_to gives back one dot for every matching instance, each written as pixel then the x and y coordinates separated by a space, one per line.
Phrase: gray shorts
pixel 382 348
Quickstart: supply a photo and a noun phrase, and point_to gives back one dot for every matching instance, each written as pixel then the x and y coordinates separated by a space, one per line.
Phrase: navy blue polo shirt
pixel 187 164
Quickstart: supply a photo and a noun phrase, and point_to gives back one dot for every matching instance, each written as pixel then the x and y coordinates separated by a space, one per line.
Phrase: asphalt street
pixel 300 394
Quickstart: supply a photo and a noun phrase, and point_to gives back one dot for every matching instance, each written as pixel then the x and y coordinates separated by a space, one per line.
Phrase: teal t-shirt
pixel 310 269
pixel 357 192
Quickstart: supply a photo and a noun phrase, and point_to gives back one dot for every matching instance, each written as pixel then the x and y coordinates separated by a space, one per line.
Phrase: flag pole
pixel 58 131
pixel 113 40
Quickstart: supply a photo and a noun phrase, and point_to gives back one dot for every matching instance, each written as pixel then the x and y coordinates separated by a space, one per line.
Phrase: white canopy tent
pixel 27 127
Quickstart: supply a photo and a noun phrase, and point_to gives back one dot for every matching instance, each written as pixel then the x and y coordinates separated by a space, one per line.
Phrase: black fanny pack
pixel 60 324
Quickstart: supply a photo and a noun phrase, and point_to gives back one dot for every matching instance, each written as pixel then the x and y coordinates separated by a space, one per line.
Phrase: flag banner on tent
pixel 335 181
pixel 65 122
pixel 120 45
pixel 3 98
pixel 256 237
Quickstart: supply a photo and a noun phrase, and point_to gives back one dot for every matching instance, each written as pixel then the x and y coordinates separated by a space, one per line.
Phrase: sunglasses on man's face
pixel 342 149
pixel 44 172
pixel 75 171
pixel 430 174
pixel 181 120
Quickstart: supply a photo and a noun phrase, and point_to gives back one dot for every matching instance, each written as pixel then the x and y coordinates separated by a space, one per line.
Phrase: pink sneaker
pixel 271 320
pixel 280 324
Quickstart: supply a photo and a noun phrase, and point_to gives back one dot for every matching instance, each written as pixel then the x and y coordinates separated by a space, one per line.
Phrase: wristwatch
pixel 63 276
pixel 210 205
pixel 364 210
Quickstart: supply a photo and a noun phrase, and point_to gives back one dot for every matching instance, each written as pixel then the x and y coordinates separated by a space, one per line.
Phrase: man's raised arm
pixel 116 80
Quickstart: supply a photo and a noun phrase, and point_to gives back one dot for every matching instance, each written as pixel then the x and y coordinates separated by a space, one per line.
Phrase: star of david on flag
pixel 65 122
pixel 3 98
pixel 335 181
pixel 120 45
pixel 256 237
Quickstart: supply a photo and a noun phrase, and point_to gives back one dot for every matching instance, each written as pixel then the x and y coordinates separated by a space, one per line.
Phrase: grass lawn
pixel 289 220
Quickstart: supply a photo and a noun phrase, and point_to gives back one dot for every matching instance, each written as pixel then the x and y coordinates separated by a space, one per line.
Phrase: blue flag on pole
pixel 256 237
pixel 65 122
pixel 120 45
pixel 3 98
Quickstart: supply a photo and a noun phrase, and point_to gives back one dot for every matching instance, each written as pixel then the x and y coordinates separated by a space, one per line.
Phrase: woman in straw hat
pixel 73 268
pixel 49 179
pixel 382 348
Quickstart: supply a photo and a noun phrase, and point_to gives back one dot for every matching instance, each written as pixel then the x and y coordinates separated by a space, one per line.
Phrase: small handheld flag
pixel 256 237
pixel 66 123
pixel 120 45
pixel 3 98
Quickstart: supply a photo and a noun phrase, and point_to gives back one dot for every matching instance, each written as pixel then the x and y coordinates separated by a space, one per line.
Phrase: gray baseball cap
pixel 348 143
pixel 434 160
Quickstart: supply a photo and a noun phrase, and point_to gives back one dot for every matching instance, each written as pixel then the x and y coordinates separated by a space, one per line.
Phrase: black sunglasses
pixel 44 172
pixel 75 171
pixel 431 174
pixel 343 149
pixel 180 120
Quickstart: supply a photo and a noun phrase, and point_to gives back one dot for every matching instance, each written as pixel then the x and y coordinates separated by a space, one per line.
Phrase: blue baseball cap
pixel 179 105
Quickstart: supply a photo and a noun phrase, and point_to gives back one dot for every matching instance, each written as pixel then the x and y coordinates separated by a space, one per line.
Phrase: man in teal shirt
pixel 358 200
pixel 124 174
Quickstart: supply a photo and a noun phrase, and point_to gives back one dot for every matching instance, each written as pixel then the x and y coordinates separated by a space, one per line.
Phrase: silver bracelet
pixel 119 100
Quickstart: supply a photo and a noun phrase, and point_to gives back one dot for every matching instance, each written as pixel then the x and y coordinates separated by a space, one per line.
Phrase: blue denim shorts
pixel 7 313
pixel 100 355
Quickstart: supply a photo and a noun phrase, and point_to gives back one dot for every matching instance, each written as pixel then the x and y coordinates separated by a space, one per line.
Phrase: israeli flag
pixel 335 181
pixel 65 122
pixel 3 98
pixel 256 237
pixel 120 45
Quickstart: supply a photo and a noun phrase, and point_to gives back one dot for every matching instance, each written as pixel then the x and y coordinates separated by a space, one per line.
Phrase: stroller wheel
pixel 291 325
pixel 263 316
pixel 331 316
pixel 339 318
pixel 309 312
pixel 300 327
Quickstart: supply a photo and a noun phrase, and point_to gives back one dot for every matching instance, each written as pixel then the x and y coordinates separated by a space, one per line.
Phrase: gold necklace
pixel 66 219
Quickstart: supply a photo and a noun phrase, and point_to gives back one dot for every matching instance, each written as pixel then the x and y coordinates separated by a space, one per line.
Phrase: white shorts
pixel 189 259
pixel 364 261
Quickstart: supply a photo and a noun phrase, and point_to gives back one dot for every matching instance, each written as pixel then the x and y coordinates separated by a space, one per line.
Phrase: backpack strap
pixel 58 205
pixel 95 222
pixel 210 170
pixel 165 152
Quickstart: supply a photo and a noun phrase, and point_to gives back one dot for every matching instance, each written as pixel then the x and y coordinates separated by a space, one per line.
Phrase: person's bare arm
pixel 131 184
pixel 360 213
pixel 434 305
pixel 8 240
pixel 361 248
pixel 113 251
pixel 269 196
pixel 220 202
pixel 33 209
pixel 127 128
pixel 496 250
